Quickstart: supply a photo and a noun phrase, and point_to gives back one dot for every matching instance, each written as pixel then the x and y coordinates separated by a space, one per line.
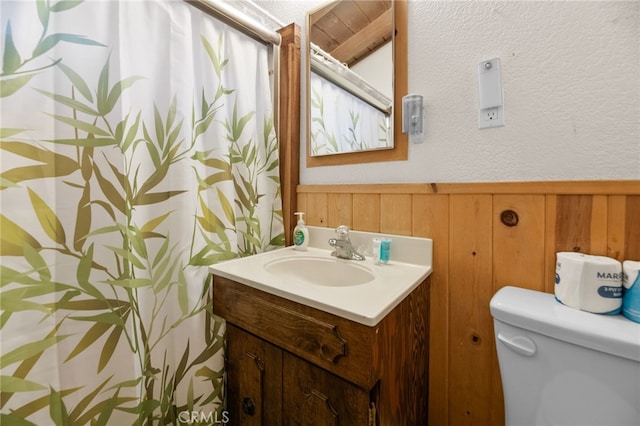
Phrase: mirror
pixel 346 40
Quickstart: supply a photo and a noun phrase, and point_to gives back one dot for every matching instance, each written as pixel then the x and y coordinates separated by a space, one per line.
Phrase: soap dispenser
pixel 300 233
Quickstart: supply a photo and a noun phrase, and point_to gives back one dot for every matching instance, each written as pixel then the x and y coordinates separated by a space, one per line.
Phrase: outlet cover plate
pixel 491 117
pixel 490 95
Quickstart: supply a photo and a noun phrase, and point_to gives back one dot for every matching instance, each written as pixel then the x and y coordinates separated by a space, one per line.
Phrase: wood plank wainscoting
pixel 486 236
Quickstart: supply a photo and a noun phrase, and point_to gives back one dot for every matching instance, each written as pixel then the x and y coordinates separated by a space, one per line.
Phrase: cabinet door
pixel 315 397
pixel 254 379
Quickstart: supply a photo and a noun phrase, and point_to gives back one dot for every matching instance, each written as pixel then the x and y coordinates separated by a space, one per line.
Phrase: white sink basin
pixel 360 291
pixel 321 271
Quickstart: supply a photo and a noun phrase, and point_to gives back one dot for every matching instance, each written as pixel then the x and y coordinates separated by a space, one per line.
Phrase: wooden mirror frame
pixel 400 87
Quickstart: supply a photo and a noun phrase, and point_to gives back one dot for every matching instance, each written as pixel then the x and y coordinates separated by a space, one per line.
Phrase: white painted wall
pixel 571 76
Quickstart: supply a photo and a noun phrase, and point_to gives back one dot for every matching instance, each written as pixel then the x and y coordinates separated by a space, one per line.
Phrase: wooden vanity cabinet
pixel 290 364
pixel 254 379
pixel 268 386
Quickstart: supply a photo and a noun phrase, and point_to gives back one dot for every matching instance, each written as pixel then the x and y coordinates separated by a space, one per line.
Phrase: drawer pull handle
pixel 248 407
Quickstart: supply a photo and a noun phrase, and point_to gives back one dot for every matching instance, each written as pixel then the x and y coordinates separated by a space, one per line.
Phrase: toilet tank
pixel 563 366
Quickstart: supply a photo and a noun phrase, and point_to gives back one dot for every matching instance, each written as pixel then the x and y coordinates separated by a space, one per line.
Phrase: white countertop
pixel 365 303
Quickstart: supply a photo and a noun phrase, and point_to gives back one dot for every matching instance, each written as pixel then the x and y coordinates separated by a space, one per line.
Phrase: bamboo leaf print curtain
pixel 341 122
pixel 137 147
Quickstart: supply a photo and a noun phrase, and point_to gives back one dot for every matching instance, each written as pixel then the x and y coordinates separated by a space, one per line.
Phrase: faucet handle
pixel 342 231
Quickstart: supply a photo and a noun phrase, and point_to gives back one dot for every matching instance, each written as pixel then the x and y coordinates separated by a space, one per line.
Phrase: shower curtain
pixel 137 147
pixel 342 122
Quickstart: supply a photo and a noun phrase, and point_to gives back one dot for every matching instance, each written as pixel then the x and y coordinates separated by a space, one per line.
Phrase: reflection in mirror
pixel 350 77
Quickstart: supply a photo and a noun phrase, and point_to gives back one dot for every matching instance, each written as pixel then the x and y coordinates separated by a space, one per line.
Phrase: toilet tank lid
pixel 542 313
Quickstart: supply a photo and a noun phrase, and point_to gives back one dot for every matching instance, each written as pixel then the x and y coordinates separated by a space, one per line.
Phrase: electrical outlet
pixel 491 114
pixel 491 117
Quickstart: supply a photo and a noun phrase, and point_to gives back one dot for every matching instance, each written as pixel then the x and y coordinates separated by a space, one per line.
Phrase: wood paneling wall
pixel 485 236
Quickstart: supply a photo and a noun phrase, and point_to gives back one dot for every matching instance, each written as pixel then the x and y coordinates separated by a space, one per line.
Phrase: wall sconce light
pixel 413 117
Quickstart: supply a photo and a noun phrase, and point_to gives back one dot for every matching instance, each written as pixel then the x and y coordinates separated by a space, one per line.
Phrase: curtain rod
pixel 222 10
pixel 328 67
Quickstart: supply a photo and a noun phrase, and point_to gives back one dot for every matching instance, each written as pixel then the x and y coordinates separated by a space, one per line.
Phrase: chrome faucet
pixel 343 247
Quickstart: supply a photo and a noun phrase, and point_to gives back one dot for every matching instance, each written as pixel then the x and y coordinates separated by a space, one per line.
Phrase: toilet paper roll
pixel 631 290
pixel 589 283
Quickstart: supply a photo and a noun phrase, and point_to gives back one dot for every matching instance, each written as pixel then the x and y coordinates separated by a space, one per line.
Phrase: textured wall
pixel 571 76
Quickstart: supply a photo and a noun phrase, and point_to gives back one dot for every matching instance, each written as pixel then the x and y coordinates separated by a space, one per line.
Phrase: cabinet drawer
pixel 333 343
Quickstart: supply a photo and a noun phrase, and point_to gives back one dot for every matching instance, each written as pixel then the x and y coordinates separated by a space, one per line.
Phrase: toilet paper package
pixel 631 290
pixel 589 283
